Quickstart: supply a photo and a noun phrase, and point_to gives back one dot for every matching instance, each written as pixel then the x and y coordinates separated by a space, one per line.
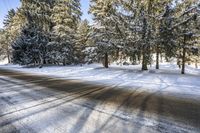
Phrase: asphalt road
pixel 33 103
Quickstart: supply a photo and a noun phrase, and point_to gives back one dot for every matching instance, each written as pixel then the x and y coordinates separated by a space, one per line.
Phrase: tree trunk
pixel 34 64
pixel 64 62
pixel 183 57
pixel 8 56
pixel 157 57
pixel 196 64
pixel 144 50
pixel 161 58
pixel 41 62
pixel 178 63
pixel 179 59
pixel 44 62
pixel 9 60
pixel 117 54
pixel 183 61
pixel 106 60
pixel 144 61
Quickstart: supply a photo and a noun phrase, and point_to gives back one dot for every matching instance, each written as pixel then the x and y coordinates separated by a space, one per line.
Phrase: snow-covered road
pixel 33 103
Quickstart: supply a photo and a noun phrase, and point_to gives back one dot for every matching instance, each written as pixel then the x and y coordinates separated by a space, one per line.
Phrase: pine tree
pixel 185 27
pixel 82 40
pixel 3 44
pixel 26 48
pixel 104 28
pixel 65 17
pixel 138 19
pixel 35 17
pixel 9 18
pixel 8 21
pixel 166 36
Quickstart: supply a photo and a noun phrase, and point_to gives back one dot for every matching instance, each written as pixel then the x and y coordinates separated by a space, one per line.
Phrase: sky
pixel 6 5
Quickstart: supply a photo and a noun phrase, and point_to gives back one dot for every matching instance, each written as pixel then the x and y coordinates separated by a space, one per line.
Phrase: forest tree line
pixel 51 32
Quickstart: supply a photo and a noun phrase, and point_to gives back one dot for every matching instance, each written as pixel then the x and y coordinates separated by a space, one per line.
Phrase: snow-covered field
pixel 168 79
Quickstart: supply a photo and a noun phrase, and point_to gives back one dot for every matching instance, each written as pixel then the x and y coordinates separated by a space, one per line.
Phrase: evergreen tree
pixel 104 28
pixel 3 44
pixel 139 27
pixel 166 36
pixel 9 18
pixel 28 17
pixel 65 17
pixel 82 40
pixel 7 34
pixel 26 48
pixel 186 29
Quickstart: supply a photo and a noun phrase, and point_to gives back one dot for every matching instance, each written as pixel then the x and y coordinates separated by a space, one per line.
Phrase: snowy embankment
pixel 167 80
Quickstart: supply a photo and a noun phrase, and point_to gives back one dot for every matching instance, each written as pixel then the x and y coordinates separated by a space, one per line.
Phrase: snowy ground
pixel 154 101
pixel 3 62
pixel 168 78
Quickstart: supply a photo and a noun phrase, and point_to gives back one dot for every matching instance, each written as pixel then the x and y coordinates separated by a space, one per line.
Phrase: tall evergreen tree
pixel 8 21
pixel 82 40
pixel 27 47
pixel 9 18
pixel 139 21
pixel 35 17
pixel 166 38
pixel 3 44
pixel 186 29
pixel 65 17
pixel 104 29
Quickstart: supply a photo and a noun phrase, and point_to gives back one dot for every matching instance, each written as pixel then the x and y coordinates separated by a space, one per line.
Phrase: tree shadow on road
pixel 125 99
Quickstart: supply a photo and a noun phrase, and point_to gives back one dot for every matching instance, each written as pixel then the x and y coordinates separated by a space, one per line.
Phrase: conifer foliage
pixel 47 34
pixel 52 32
pixel 65 18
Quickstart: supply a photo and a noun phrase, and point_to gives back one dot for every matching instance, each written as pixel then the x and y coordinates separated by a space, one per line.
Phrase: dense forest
pixel 51 32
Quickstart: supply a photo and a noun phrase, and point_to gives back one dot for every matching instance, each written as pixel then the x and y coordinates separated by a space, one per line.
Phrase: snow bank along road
pixel 33 103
